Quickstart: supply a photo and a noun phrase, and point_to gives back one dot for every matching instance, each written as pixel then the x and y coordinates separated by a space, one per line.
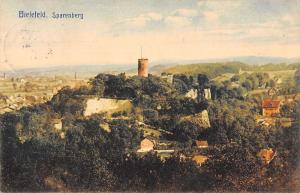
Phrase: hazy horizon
pixel 259 60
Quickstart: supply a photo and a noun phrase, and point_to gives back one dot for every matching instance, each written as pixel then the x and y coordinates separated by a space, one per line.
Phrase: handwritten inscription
pixel 53 15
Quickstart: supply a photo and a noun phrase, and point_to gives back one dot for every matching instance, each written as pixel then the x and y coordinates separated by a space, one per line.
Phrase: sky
pixel 113 31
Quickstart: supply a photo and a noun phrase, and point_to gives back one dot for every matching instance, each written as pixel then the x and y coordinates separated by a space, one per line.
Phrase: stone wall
pixel 200 119
pixel 104 105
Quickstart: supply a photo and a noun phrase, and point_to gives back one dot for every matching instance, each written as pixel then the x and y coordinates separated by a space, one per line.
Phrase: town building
pixel 167 77
pixel 146 145
pixel 164 154
pixel 201 144
pixel 200 159
pixel 57 124
pixel 193 94
pixel 270 107
pixel 207 93
pixel 267 155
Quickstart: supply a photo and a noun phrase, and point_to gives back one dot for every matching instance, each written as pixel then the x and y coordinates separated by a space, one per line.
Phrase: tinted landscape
pixel 150 96
pixel 195 127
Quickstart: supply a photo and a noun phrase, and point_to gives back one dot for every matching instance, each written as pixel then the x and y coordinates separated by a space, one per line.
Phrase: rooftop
pixel 269 103
pixel 267 155
pixel 199 159
pixel 202 143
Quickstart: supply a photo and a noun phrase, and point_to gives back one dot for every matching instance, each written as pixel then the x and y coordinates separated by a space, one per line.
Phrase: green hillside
pixel 215 69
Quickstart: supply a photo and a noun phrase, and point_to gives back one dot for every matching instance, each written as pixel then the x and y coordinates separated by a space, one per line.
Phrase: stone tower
pixel 143 67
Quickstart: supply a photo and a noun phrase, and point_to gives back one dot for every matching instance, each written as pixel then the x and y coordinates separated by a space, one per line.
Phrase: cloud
pixel 177 21
pixel 177 18
pixel 221 5
pixel 180 18
pixel 292 19
pixel 211 16
pixel 214 11
pixel 185 12
pixel 140 20
pixel 154 16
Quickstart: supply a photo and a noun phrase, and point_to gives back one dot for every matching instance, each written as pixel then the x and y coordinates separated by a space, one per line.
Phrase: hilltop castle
pixel 143 67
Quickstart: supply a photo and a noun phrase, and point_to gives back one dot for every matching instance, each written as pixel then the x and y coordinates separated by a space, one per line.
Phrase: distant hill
pixel 80 70
pixel 219 68
pixel 242 59
pixel 264 60
pixel 169 66
pixel 155 67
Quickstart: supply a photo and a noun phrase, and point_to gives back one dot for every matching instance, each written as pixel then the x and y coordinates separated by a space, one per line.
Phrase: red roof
pixel 269 103
pixel 267 155
pixel 201 143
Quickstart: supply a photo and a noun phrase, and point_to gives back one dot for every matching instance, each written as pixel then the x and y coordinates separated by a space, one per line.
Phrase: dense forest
pixel 34 157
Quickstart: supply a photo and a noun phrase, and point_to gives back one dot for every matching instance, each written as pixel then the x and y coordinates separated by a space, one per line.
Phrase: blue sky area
pixel 113 31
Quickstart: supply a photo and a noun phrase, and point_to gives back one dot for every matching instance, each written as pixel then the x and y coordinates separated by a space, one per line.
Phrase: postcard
pixel 150 96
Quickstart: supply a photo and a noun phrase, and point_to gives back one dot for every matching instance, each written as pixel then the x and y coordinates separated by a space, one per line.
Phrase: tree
pixel 180 86
pixel 247 84
pixel 235 78
pixel 262 78
pixel 202 80
pixel 187 80
pixel 86 158
pixel 98 87
pixel 234 168
pixel 14 86
pixel 114 86
pixel 271 83
pixel 255 82
pixel 150 115
pixel 186 131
